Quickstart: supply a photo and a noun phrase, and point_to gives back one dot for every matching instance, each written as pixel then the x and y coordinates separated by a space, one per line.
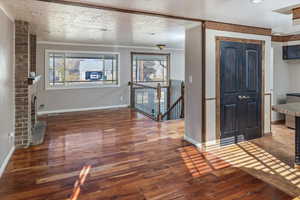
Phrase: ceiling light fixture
pixel 161 46
pixel 256 1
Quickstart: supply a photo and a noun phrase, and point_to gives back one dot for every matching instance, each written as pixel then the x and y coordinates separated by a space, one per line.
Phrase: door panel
pixel 229 118
pixel 230 67
pixel 240 91
pixel 252 70
pixel 230 61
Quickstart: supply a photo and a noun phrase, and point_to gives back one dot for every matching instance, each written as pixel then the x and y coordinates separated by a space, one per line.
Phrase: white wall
pixel 73 99
pixel 286 76
pixel 193 82
pixel 281 79
pixel 7 106
pixel 210 89
pixel 293 67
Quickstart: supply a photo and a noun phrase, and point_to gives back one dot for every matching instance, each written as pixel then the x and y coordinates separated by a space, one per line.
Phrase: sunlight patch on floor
pixel 80 182
pixel 252 158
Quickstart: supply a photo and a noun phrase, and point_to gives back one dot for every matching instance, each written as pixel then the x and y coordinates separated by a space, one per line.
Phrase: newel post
pixel 131 94
pixel 159 115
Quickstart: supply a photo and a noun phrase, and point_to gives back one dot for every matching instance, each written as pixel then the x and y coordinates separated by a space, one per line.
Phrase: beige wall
pixel 281 79
pixel 74 99
pixel 286 76
pixel 210 89
pixel 6 88
pixel 193 80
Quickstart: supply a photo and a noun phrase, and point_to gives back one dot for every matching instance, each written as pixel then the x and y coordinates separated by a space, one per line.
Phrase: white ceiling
pixel 230 11
pixel 61 23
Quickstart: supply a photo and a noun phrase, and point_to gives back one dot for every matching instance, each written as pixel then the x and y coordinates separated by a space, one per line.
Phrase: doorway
pixel 240 90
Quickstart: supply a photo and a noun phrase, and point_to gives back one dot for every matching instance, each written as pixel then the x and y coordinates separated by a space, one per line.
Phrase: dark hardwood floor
pixel 122 155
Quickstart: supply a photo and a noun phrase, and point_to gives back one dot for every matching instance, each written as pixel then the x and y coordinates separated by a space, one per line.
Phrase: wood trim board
pixel 296 13
pixel 203 136
pixel 270 94
pixel 237 28
pixel 286 38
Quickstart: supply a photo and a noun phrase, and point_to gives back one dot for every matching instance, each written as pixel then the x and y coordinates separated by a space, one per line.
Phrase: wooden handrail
pixel 172 107
pixel 141 85
pixel 147 86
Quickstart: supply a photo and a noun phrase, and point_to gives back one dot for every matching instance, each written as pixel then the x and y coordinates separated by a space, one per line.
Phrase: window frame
pixel 152 53
pixel 79 86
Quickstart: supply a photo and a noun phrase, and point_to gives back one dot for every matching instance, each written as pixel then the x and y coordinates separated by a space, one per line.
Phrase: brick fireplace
pixel 22 98
pixel 25 88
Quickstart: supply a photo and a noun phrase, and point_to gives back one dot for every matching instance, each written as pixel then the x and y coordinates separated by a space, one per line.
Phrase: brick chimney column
pixel 22 98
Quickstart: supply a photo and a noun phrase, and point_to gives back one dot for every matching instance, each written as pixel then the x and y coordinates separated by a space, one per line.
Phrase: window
pixel 81 69
pixel 150 67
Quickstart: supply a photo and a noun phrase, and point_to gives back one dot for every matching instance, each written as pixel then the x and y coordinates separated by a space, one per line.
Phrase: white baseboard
pixel 80 109
pixel 192 141
pixel 6 160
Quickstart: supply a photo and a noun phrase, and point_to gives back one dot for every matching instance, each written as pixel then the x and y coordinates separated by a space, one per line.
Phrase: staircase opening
pixel 153 92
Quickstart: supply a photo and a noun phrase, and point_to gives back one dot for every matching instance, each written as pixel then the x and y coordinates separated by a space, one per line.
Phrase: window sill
pixel 82 87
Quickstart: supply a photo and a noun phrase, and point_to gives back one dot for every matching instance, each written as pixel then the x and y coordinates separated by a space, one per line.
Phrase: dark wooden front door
pixel 240 91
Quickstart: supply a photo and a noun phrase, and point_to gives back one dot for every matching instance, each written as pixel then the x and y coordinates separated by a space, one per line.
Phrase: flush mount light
pixel 277 34
pixel 256 1
pixel 161 46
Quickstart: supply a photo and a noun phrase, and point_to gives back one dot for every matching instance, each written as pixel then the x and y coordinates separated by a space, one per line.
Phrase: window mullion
pixel 64 69
pixel 53 65
pixel 112 70
pixel 60 68
pixel 104 68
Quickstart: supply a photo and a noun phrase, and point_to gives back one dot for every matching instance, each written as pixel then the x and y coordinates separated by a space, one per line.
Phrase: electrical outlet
pixel 11 137
pixel 121 98
pixel 191 79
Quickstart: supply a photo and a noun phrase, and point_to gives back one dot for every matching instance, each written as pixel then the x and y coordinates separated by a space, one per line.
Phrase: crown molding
pixel 104 45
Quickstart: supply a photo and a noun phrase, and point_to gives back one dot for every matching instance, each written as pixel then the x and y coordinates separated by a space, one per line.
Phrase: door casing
pixel 218 79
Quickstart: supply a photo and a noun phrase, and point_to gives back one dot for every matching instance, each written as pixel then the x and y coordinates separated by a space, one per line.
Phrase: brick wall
pixel 22 98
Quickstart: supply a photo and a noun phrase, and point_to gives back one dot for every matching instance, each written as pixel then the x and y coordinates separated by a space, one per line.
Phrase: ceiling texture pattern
pixel 63 23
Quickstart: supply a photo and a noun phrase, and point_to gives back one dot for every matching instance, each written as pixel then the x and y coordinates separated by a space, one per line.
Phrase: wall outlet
pixel 121 98
pixel 11 137
pixel 191 79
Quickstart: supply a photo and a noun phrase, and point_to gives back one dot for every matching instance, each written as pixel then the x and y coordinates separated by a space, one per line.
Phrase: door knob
pixel 243 97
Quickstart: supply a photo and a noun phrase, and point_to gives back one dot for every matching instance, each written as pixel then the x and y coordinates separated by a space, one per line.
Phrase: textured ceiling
pixel 61 23
pixel 230 11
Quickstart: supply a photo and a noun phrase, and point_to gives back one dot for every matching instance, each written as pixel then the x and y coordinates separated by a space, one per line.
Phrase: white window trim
pixel 86 86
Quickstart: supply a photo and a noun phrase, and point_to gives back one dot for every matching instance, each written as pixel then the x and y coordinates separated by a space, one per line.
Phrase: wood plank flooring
pixel 122 155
